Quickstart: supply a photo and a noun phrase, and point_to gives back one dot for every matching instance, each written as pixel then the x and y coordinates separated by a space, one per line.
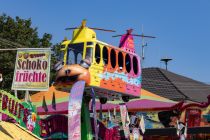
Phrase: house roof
pixel 173 86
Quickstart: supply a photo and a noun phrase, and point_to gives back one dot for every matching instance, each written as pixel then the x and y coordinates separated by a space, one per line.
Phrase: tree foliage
pixel 17 31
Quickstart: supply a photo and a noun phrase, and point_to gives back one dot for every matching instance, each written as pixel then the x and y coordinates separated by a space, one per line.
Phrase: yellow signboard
pixel 32 69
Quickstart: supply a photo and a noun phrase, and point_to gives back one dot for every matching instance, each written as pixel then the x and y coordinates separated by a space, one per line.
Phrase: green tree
pixel 54 59
pixel 17 33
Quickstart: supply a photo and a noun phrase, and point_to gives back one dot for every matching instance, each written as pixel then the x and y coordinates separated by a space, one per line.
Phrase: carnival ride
pixel 104 72
pixel 113 72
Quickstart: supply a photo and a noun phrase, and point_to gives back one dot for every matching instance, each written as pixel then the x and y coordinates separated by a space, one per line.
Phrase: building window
pixel 128 63
pixel 135 65
pixel 71 57
pixel 105 55
pixel 97 54
pixel 113 58
pixel 79 58
pixel 120 60
pixel 88 55
pixel 73 51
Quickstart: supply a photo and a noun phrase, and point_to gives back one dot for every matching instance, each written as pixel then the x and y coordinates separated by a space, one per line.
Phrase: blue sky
pixel 182 27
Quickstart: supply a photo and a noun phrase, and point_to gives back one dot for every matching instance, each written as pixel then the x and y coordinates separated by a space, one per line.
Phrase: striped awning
pixel 146 101
pixel 12 131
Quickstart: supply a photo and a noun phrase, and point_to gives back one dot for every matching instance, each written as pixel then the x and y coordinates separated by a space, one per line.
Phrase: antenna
pixel 166 60
pixel 143 45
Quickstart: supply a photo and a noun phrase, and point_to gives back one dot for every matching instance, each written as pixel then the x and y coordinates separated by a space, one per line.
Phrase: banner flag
pixel 124 118
pixel 114 112
pixel 109 115
pixel 177 127
pixel 185 131
pixel 142 124
pixel 94 112
pixel 136 134
pixel 74 111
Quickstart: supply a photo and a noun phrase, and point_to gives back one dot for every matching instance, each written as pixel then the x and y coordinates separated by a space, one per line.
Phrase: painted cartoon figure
pixel 31 121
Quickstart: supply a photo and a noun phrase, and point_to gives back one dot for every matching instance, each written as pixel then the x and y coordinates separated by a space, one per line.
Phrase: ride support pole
pixel 94 113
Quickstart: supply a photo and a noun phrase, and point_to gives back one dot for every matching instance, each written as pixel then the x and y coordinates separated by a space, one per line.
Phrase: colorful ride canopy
pixel 148 101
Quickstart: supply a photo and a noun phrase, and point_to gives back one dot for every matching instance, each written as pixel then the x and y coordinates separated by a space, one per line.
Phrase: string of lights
pixel 11 44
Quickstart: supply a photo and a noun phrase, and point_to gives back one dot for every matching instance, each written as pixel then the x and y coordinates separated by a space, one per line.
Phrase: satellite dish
pixel 166 60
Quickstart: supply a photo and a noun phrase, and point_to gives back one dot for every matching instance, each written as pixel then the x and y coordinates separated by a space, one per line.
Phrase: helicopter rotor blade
pixel 102 29
pixel 71 28
pixel 116 35
pixel 144 36
pixel 136 35
pixel 91 28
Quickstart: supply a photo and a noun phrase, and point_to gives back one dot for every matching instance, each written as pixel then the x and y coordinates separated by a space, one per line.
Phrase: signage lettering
pixel 32 70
